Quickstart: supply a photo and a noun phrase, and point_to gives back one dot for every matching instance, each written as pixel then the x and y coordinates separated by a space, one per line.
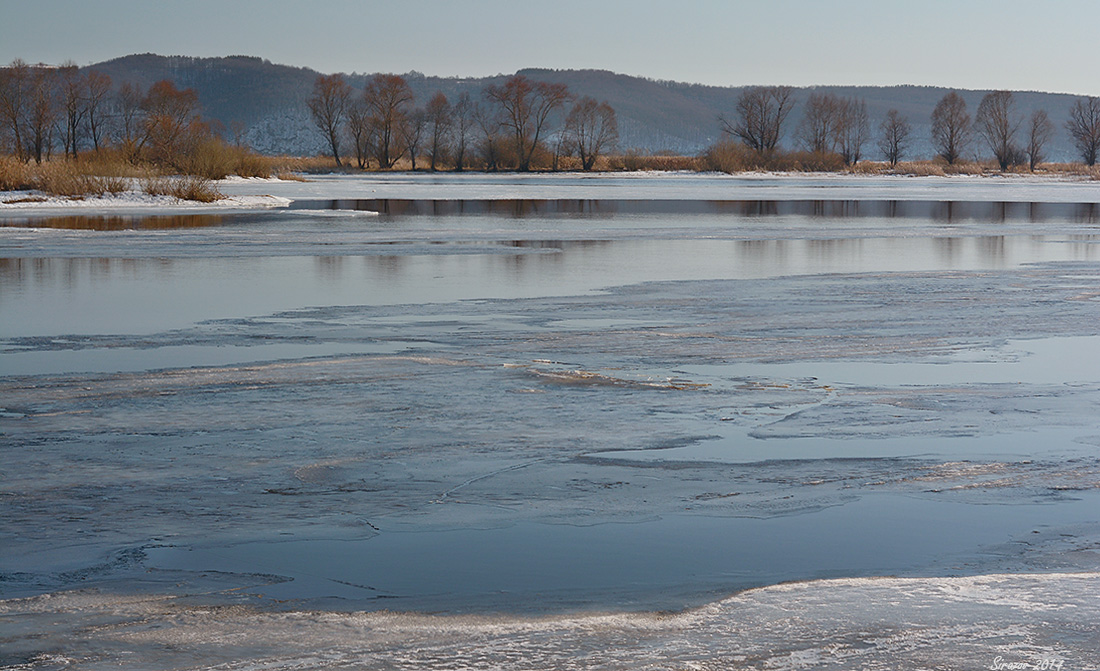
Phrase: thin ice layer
pixel 1043 621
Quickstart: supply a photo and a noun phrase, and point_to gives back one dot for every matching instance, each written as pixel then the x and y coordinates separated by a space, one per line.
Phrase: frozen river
pixel 555 422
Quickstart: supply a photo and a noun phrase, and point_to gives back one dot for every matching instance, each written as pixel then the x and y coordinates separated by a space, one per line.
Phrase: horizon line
pixel 591 69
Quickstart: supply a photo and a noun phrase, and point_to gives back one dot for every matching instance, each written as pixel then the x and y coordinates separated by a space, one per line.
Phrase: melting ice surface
pixel 524 403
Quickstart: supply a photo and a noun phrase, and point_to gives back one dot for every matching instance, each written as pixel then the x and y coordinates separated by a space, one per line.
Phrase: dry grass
pixel 870 168
pixel 967 168
pixel 633 161
pixel 250 164
pixel 733 157
pixel 186 187
pixel 933 168
pixel 109 172
pixel 16 175
pixel 919 169
pixel 310 165
pixel 213 159
pixel 111 163
pixel 59 178
pixel 1072 169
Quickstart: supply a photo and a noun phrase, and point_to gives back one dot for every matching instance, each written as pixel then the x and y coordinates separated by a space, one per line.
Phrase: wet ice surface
pixel 1044 621
pixel 253 428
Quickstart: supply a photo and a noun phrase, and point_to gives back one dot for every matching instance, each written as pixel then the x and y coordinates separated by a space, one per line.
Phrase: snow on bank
pixel 135 202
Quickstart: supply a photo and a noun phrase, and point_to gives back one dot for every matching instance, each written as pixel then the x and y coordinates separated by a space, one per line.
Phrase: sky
pixel 1042 45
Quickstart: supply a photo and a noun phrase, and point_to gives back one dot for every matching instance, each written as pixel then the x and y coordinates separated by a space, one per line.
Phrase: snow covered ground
pixel 244 440
pixel 131 202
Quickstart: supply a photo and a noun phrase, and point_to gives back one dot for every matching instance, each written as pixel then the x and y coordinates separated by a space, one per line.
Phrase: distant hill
pixel 268 100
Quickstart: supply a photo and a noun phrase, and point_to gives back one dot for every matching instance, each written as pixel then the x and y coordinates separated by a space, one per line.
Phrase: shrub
pixel 726 156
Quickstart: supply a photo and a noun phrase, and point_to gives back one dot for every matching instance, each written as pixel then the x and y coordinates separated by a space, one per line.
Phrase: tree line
pixel 47 110
pixel 520 124
pixel 835 125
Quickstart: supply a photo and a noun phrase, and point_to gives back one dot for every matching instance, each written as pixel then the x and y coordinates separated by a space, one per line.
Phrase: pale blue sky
pixel 1046 45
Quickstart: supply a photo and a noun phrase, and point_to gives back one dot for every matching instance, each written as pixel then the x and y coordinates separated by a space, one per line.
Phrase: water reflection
pixel 107 295
pixel 117 222
pixel 949 212
pixel 329 267
pixel 940 211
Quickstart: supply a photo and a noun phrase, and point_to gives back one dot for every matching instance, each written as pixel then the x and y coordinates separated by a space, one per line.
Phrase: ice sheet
pixel 712 399
pixel 688 186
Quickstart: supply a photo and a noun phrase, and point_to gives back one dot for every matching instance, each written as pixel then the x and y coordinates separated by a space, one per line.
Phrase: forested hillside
pixel 264 103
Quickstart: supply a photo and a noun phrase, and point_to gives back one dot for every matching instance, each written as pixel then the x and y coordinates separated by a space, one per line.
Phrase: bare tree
pixel 15 84
pixel 72 89
pixel 412 132
pixel 130 119
pixel 852 130
pixel 360 130
pixel 997 123
pixel 526 107
pixel 490 120
pixel 1040 130
pixel 328 105
pixel 590 129
pixel 894 137
pixel 171 117
pixel 464 122
pixel 41 113
pixel 98 88
pixel 1084 127
pixel 440 119
pixel 561 147
pixel 950 127
pixel 239 131
pixel 761 112
pixel 821 119
pixel 388 98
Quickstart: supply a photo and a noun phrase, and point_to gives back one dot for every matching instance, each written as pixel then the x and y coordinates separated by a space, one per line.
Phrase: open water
pixel 389 427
